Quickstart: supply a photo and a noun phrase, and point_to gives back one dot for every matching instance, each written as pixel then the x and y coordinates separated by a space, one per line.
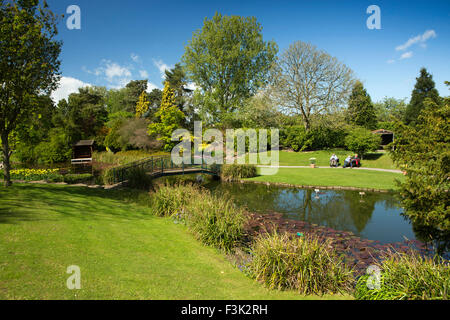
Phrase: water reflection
pixel 375 216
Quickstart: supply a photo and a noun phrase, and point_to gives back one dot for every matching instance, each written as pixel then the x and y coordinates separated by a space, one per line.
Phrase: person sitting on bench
pixel 334 161
pixel 355 161
pixel 347 162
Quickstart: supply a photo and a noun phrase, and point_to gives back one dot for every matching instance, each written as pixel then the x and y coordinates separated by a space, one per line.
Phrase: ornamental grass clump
pixel 302 264
pixel 233 172
pixel 215 221
pixel 407 276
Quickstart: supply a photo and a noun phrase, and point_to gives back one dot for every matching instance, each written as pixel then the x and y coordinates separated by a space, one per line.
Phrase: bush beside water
pixel 215 221
pixel 302 264
pixel 408 277
pixel 233 172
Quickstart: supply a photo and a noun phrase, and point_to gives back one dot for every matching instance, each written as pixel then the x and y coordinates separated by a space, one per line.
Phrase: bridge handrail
pixel 158 164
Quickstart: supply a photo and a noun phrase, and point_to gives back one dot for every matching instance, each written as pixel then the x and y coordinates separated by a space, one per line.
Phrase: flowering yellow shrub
pixel 33 174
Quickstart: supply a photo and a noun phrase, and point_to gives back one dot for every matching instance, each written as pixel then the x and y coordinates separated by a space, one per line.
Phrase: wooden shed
pixel 82 151
pixel 386 136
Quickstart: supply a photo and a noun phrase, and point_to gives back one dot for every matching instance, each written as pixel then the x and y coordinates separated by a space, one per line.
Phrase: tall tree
pixel 308 81
pixel 361 111
pixel 229 60
pixel 134 89
pixel 29 64
pixel 424 88
pixel 142 105
pixel 390 109
pixel 168 119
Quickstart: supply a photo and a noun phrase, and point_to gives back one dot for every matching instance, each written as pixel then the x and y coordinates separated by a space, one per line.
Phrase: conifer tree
pixel 424 88
pixel 361 111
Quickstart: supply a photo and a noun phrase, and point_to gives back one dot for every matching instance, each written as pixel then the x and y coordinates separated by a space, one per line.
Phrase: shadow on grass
pixel 373 156
pixel 31 202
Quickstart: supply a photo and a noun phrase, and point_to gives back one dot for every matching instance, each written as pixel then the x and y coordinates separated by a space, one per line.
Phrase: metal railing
pixel 162 165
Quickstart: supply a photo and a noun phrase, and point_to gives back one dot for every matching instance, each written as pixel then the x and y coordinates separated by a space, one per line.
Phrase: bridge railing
pixel 158 166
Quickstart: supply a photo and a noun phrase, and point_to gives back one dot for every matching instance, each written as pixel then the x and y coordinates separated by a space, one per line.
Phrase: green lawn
pixel 334 177
pixel 373 160
pixel 123 251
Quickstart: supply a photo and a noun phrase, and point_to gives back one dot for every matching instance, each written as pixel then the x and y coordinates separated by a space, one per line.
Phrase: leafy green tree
pixel 169 118
pixel 29 64
pixel 154 99
pixel 134 90
pixel 229 60
pixel 423 151
pixel 390 110
pixel 85 114
pixel 360 108
pixel 424 88
pixel 361 141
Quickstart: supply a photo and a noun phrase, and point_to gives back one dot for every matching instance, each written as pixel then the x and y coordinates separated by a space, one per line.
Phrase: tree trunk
pixel 6 156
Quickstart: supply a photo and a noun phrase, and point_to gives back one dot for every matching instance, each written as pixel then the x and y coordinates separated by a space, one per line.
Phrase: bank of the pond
pixel 346 179
pixel 359 253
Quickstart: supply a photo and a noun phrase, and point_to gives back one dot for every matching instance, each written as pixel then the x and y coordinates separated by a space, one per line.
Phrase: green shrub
pixel 320 137
pixel 78 178
pixel 216 222
pixel 362 141
pixel 408 276
pixel 108 176
pixel 138 179
pixel 232 172
pixel 303 264
pixel 55 178
pixel 169 200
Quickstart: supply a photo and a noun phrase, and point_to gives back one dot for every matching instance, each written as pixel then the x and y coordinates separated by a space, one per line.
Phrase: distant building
pixel 386 136
pixel 82 152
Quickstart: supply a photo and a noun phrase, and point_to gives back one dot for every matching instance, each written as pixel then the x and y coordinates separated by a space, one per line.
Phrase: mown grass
pixel 380 160
pixel 124 251
pixel 334 177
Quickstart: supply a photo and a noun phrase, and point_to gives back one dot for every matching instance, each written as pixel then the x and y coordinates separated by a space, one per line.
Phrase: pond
pixel 374 216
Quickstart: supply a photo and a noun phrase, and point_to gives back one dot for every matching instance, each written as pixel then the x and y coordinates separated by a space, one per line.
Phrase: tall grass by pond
pixel 233 172
pixel 408 277
pixel 303 264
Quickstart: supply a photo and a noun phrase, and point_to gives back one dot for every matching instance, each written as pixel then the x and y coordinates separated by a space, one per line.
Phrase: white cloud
pixel 421 39
pixel 116 75
pixel 406 55
pixel 152 86
pixel 162 67
pixel 192 86
pixel 67 85
pixel 143 74
pixel 135 58
pixel 391 61
pixel 113 70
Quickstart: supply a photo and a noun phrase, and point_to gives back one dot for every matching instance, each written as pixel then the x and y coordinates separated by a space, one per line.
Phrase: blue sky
pixel 127 40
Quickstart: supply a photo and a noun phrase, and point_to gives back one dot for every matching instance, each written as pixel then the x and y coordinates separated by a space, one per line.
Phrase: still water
pixel 374 216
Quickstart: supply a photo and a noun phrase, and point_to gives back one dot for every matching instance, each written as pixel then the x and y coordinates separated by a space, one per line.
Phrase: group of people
pixel 350 161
